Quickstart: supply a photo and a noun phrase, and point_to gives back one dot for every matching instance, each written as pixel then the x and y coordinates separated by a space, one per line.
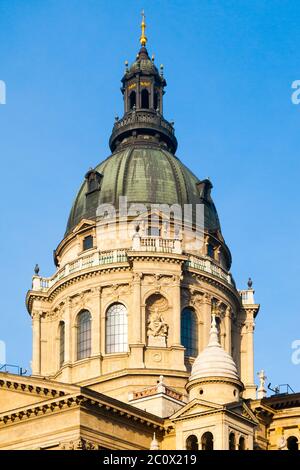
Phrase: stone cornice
pixel 134 372
pixel 154 256
pixel 34 386
pixel 83 397
pixel 70 280
pixel 87 273
pixel 279 402
pixel 216 282
pixel 216 380
pixel 253 309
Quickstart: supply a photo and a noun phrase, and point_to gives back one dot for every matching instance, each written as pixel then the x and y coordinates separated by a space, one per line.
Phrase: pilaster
pixel 36 340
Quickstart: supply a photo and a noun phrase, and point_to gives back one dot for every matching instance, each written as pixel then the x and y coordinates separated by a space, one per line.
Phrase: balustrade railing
pixel 143 117
pixel 162 245
pixel 208 266
pixel 148 244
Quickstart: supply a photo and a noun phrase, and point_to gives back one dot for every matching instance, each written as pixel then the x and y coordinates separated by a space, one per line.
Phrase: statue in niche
pixel 157 330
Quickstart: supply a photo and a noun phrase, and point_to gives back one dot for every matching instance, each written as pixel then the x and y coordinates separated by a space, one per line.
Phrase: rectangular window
pixel 88 242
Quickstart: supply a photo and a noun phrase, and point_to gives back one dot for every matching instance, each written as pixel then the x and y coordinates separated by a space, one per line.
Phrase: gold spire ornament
pixel 143 39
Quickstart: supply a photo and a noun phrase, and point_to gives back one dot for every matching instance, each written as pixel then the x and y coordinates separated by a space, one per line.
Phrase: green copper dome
pixel 143 166
pixel 147 175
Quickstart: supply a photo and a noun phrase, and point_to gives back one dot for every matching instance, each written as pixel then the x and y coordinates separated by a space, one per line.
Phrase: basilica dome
pixel 143 166
pixel 146 175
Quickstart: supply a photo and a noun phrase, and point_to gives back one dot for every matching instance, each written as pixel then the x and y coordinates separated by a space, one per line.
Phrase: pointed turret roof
pixel 214 361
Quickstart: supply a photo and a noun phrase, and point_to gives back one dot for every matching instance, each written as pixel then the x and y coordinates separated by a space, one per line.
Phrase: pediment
pixel 11 399
pixel 196 407
pixel 83 224
pixel 243 410
pixel 156 213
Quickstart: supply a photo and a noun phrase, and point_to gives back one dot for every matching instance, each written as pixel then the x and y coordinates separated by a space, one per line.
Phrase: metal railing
pixel 9 367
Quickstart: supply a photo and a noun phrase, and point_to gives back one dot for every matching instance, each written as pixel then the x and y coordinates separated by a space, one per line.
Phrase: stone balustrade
pixel 208 265
pixel 139 244
pixel 159 244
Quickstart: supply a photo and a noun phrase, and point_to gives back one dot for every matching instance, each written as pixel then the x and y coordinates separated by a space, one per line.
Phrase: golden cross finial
pixel 143 39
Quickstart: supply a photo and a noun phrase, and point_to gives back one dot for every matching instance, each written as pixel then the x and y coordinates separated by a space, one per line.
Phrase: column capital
pixel 137 277
pixel 207 299
pixel 36 315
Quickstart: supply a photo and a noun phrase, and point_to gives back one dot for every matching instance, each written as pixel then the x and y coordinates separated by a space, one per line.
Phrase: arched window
pixel 189 332
pixel 292 443
pixel 192 443
pixel 84 333
pixel 210 251
pixel 231 441
pixel 145 99
pixel 61 343
pixel 132 99
pixel 116 329
pixel 207 441
pixel 242 443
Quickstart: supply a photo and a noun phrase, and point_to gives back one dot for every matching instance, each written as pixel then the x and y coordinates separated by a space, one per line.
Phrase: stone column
pixel 100 325
pixel 228 330
pixel 175 328
pixel 135 331
pixel 36 343
pixel 160 100
pixel 96 322
pixel 250 386
pixel 176 317
pixel 138 94
pixel 125 97
pixel 68 331
pixel 206 306
pixel 136 335
pixel 151 95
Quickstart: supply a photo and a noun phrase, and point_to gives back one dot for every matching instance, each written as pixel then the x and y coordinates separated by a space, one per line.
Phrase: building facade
pixel 141 338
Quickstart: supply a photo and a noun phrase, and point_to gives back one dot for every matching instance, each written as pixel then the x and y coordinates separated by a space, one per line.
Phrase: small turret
pixel 214 375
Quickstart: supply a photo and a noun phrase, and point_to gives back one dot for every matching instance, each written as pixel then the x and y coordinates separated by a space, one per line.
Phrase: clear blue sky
pixel 229 67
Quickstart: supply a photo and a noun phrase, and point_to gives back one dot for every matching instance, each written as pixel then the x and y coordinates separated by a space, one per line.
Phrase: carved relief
pixel 157 327
pixel 191 297
pixel 137 277
pixel 79 444
pixel 115 291
pixel 80 301
pixel 58 311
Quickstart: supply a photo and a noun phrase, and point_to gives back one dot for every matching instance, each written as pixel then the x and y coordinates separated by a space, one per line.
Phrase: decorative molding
pixel 80 444
pixel 39 409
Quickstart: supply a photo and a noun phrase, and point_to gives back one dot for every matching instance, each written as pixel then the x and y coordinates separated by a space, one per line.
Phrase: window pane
pixel 88 242
pixel 116 329
pixel 84 335
pixel 189 332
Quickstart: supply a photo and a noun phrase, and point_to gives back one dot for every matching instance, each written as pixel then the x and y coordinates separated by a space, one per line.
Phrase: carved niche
pixel 157 327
